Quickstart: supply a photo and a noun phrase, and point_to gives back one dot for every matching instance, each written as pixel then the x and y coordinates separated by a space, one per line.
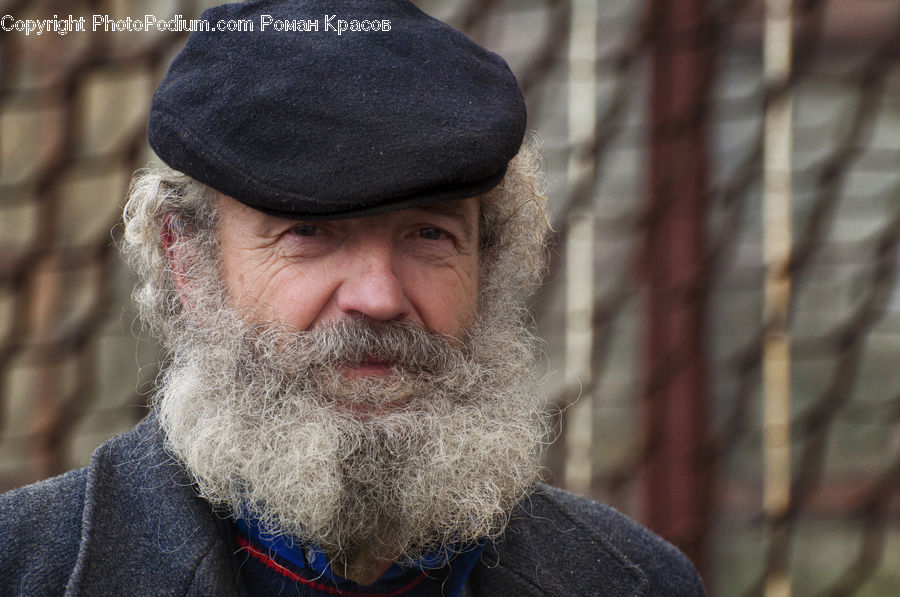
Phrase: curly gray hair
pixel 514 227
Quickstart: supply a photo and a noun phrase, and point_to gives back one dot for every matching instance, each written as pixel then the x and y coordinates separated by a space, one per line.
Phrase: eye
pixel 305 230
pixel 432 233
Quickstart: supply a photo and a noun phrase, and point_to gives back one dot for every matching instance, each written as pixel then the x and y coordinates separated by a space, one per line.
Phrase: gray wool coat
pixel 130 524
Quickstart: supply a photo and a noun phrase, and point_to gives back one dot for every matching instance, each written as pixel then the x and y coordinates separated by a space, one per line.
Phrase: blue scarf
pixel 309 557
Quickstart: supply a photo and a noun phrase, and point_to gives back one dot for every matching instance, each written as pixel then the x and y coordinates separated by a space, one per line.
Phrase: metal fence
pixel 655 313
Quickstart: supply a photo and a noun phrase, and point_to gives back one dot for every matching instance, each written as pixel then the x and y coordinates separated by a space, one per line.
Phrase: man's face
pixel 418 265
pixel 310 325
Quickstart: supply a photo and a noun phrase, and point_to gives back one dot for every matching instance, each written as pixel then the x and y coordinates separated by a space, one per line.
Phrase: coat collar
pixel 549 549
pixel 143 526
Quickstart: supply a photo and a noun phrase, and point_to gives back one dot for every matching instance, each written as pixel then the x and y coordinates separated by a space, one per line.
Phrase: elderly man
pixel 336 258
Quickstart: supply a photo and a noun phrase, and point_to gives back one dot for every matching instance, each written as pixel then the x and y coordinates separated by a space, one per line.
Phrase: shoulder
pixel 663 563
pixel 43 525
pixel 558 543
pixel 41 529
pixel 128 524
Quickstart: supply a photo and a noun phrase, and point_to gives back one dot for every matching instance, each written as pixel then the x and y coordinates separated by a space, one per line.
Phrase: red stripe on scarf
pixel 243 543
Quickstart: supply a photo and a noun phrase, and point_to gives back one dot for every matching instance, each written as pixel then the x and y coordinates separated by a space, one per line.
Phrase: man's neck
pixel 362 569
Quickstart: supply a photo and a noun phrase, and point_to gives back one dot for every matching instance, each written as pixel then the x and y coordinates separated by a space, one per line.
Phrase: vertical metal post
pixel 582 106
pixel 677 475
pixel 778 141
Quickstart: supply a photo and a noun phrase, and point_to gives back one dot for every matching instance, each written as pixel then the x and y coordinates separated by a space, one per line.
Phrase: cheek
pixel 286 294
pixel 446 300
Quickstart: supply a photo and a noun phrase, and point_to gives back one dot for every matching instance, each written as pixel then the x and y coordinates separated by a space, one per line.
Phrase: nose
pixel 372 288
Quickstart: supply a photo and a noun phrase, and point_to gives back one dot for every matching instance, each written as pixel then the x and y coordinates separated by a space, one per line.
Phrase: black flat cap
pixel 381 108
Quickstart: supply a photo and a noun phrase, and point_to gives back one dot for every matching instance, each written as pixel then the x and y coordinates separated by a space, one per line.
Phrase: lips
pixel 368 367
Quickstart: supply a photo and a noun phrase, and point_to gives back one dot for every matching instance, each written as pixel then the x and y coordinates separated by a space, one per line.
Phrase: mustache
pixel 402 344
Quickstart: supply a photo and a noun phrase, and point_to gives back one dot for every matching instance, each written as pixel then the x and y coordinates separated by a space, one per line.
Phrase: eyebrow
pixel 453 209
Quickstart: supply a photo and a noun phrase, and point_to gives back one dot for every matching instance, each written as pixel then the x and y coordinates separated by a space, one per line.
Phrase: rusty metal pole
pixel 677 476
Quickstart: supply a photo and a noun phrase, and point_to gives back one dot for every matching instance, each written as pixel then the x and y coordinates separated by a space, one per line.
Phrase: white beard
pixel 435 455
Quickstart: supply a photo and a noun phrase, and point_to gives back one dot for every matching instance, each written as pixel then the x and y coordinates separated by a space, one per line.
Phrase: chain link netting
pixel 673 200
